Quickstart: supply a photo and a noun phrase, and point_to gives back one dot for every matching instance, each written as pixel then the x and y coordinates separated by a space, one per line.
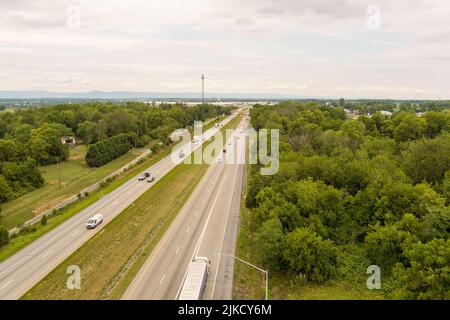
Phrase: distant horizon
pixel 125 95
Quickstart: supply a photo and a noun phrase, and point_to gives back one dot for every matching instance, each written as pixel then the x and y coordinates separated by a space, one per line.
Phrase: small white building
pixel 70 140
pixel 386 113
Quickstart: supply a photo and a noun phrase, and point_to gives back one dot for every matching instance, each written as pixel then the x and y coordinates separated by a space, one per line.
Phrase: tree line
pixel 355 192
pixel 107 150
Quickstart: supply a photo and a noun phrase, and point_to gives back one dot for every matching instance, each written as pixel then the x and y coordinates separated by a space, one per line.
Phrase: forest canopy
pixel 376 184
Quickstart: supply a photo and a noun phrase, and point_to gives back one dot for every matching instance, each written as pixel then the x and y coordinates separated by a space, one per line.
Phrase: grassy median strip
pixel 111 259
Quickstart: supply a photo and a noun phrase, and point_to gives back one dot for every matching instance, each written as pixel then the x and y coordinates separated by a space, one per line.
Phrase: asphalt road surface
pixel 206 226
pixel 22 271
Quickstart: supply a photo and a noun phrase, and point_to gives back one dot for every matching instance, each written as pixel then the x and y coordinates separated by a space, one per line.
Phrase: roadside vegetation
pixel 122 246
pixel 349 193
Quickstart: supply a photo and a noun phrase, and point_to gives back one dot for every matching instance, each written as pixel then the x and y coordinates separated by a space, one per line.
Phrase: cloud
pixel 258 45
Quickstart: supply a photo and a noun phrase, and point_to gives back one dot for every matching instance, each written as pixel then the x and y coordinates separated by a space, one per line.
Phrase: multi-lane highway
pixel 206 226
pixel 23 270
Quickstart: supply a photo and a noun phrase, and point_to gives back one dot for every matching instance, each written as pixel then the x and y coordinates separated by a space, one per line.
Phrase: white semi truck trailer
pixel 195 281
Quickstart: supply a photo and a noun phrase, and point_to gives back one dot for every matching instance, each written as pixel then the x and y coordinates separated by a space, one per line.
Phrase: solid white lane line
pixel 5 285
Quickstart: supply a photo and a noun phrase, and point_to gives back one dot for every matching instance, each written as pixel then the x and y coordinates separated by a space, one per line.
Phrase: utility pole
pixel 59 173
pixel 203 89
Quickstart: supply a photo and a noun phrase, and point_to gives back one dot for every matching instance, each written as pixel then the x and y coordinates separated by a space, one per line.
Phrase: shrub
pixel 4 236
pixel 308 254
pixel 107 150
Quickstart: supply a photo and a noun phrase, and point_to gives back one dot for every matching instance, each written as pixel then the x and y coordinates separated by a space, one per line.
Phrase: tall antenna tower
pixel 203 89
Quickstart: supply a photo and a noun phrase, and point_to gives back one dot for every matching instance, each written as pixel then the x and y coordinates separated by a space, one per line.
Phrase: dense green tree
pixel 410 128
pixel 385 246
pixel 428 159
pixel 354 131
pixel 435 224
pixel 8 150
pixel 445 187
pixel 309 255
pixel 121 121
pixel 4 236
pixel 5 190
pixel 436 122
pixel 269 240
pixel 87 131
pixel 107 150
pixel 426 275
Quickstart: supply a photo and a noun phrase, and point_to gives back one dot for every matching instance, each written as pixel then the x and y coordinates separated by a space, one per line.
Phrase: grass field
pixel 249 284
pixel 75 176
pixel 111 259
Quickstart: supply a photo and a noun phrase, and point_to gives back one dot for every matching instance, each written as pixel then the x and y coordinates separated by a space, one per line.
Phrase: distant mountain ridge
pixel 42 94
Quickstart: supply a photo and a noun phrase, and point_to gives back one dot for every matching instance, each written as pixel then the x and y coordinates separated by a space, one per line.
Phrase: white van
pixel 94 221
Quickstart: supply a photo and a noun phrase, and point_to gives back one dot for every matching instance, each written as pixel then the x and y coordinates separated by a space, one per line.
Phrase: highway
pixel 206 226
pixel 22 271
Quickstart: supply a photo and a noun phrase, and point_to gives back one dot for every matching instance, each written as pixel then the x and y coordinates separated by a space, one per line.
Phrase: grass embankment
pixel 75 175
pixel 249 283
pixel 110 260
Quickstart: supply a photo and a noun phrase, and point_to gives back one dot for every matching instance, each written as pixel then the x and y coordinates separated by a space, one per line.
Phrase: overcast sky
pixel 298 47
